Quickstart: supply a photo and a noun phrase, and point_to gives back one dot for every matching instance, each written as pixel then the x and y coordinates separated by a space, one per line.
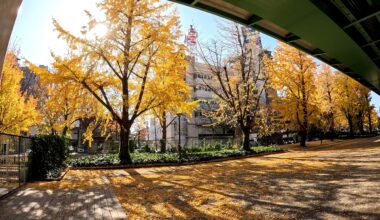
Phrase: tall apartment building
pixel 198 127
pixel 192 131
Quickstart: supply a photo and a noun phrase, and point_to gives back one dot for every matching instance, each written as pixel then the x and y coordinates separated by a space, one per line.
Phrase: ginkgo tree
pixel 293 77
pixel 363 100
pixel 347 91
pixel 64 103
pixel 118 69
pixel 355 104
pixel 17 113
pixel 174 92
pixel 328 98
pixel 238 80
pixel 372 119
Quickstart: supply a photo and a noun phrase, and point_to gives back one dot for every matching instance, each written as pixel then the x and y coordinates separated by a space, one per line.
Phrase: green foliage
pixel 158 158
pixel 150 158
pixel 132 145
pixel 219 145
pixel 49 153
pixel 261 149
pixel 94 160
pixel 147 148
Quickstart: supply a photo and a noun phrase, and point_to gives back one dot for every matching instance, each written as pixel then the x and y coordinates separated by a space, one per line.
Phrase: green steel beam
pixel 291 38
pixel 253 20
pixel 371 43
pixel 357 24
pixel 361 20
pixel 195 2
pixel 302 18
pixel 317 52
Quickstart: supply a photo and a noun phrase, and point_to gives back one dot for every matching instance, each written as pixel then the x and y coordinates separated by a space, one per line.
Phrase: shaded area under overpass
pixel 342 33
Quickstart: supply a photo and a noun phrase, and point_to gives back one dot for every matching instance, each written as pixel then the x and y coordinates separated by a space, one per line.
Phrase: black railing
pixel 14 157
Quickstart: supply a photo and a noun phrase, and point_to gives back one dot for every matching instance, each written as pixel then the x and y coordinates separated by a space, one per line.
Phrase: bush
pixel 149 158
pixel 262 149
pixel 49 153
pixel 132 145
pixel 94 160
pixel 158 158
pixel 207 147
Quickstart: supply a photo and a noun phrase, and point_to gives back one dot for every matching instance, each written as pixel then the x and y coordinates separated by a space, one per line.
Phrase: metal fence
pixel 14 156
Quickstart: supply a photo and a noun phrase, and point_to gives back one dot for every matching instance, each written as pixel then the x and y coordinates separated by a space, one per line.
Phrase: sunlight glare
pixel 100 30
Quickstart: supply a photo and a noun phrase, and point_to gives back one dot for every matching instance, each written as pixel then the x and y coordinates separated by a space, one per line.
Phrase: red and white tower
pixel 191 39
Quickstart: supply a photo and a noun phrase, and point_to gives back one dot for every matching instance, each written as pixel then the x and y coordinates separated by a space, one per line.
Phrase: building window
pixel 203 76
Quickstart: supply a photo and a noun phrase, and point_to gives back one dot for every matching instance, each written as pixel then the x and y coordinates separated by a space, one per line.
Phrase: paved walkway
pixel 34 202
pixel 336 180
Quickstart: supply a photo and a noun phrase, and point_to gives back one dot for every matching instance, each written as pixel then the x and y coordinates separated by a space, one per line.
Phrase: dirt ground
pixel 335 180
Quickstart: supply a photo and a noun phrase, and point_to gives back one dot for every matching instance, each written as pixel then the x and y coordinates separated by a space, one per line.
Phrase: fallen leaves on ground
pixel 337 180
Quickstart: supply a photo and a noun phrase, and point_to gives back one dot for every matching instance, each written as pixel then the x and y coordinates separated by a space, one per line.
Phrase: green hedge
pixel 157 158
pixel 49 153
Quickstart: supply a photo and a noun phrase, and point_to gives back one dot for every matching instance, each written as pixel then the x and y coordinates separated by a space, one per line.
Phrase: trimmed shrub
pixel 49 153
pixel 159 158
pixel 132 145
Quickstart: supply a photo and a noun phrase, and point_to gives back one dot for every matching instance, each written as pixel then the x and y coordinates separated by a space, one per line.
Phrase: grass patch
pixel 158 158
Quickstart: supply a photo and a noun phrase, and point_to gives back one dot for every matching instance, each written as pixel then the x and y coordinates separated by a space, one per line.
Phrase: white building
pixel 198 128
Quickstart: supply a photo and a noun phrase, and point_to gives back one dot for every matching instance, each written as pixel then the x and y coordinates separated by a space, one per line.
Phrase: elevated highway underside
pixel 342 33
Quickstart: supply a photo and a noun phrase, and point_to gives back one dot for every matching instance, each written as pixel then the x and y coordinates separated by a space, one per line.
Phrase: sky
pixel 34 33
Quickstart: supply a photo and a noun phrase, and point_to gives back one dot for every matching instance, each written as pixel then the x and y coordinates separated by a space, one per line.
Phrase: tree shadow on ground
pixel 67 199
pixel 273 187
pixel 343 182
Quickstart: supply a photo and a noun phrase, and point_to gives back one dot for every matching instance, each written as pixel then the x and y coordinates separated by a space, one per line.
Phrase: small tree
pixel 266 125
pixel 174 93
pixel 293 76
pixel 327 95
pixel 353 102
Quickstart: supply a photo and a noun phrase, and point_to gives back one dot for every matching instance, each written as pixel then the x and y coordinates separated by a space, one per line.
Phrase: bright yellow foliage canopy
pixel 17 113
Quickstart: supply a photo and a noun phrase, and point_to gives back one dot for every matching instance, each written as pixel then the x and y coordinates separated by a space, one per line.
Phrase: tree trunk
pixel 351 126
pixel 64 131
pixel 246 146
pixel 360 123
pixel 124 156
pixel 304 126
pixel 237 137
pixel 155 135
pixel 303 135
pixel 332 127
pixel 163 139
pixel 369 122
pixel 79 135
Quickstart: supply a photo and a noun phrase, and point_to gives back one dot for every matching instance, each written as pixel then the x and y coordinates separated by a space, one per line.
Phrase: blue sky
pixel 34 34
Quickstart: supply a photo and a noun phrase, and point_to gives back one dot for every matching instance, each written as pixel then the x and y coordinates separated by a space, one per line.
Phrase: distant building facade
pixel 192 131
